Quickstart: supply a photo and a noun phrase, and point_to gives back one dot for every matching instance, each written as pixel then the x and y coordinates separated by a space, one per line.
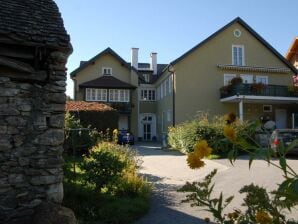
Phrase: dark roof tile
pixel 33 22
pixel 107 82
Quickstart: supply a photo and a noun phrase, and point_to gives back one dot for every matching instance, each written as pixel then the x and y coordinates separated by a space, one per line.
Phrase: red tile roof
pixel 86 106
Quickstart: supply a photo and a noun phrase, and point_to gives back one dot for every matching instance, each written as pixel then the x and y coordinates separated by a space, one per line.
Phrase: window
pixel 148 95
pixel 228 78
pixel 146 77
pixel 170 83
pixel 106 71
pixel 161 91
pixel 169 116
pixel 96 94
pixel 119 95
pixel 267 108
pixel 238 55
pixel 247 79
pixel 262 79
pixel 167 84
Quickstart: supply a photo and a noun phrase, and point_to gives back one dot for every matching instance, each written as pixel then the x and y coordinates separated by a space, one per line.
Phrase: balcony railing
pixel 122 107
pixel 256 89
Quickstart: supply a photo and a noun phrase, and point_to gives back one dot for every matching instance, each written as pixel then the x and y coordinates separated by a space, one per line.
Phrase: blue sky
pixel 169 28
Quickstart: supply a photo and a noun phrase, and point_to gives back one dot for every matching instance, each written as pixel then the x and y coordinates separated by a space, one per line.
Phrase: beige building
pixel 151 97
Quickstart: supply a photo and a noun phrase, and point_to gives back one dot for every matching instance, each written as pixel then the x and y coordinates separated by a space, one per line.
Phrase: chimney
pixel 134 57
pixel 153 63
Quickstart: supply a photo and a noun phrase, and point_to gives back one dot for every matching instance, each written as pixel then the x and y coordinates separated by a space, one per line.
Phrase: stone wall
pixel 31 138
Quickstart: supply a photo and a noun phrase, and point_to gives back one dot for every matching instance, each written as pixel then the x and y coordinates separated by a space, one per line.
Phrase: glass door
pixel 147 131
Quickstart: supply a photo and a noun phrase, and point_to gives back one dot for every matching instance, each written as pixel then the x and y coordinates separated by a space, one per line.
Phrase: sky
pixel 168 27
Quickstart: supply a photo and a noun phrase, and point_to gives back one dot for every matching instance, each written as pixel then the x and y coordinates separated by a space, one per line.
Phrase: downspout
pixel 173 92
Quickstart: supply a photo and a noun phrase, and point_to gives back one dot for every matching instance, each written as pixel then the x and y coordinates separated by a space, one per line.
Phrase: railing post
pixel 241 110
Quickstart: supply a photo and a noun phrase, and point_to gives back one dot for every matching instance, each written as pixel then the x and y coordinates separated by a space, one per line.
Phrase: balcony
pixel 121 107
pixel 257 90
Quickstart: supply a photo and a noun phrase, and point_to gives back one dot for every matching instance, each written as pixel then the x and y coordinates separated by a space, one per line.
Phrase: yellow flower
pixel 194 162
pixel 230 133
pixel 115 131
pixel 202 150
pixel 263 217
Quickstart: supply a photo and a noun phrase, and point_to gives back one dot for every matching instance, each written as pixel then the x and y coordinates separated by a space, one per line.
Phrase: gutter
pixel 173 92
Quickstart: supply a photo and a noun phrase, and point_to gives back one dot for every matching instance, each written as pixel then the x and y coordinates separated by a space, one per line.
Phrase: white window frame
pixel 244 76
pixel 269 108
pixel 108 69
pixel 119 95
pixel 237 56
pixel 148 94
pixel 92 94
pixel 228 78
pixel 146 77
pixel 260 77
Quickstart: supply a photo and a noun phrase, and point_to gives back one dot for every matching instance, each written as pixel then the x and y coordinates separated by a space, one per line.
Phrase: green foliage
pixel 183 137
pixel 262 207
pixel 105 187
pixel 102 169
pixel 201 196
pixel 80 139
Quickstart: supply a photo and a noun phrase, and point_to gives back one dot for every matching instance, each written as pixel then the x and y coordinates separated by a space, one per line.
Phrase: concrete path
pixel 168 171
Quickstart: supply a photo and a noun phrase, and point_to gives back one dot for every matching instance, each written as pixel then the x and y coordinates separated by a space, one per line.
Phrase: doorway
pixel 281 118
pixel 147 127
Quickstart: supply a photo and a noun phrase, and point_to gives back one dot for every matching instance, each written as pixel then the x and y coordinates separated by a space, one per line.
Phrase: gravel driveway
pixel 168 170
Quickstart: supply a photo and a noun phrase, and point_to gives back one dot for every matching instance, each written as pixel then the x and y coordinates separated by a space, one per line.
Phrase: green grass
pixel 92 207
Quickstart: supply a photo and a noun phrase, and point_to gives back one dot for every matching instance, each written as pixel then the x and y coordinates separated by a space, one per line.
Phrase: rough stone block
pixel 57 97
pixel 17 121
pixel 45 180
pixel 55 193
pixel 52 137
pixel 8 91
pixel 57 121
pixel 16 179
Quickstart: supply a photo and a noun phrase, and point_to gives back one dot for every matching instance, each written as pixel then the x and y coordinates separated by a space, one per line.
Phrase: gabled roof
pixel 33 23
pixel 107 81
pixel 92 60
pixel 293 49
pixel 250 30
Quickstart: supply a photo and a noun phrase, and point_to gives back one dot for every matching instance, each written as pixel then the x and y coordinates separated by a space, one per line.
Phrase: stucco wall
pixel 198 79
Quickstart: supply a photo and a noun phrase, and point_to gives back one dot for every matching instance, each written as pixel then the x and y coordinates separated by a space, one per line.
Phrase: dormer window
pixel 146 77
pixel 106 71
pixel 238 55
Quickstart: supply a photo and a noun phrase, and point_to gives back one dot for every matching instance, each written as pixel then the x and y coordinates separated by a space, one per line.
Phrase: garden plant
pixel 261 206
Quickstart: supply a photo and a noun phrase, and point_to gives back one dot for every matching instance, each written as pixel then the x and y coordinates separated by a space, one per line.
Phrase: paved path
pixel 168 170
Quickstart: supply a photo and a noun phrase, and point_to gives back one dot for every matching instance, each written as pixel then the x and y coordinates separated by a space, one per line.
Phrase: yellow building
pixel 206 78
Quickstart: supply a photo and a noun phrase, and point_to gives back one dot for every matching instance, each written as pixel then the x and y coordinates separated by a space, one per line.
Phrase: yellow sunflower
pixel 194 162
pixel 202 149
pixel 263 217
pixel 230 133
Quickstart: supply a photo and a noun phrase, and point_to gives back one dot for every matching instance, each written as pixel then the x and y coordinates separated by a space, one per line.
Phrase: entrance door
pixel 147 132
pixel 147 126
pixel 281 118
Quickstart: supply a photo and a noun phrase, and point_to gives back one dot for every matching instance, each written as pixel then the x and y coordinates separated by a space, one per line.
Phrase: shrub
pixel 79 140
pixel 236 81
pixel 114 167
pixel 183 137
